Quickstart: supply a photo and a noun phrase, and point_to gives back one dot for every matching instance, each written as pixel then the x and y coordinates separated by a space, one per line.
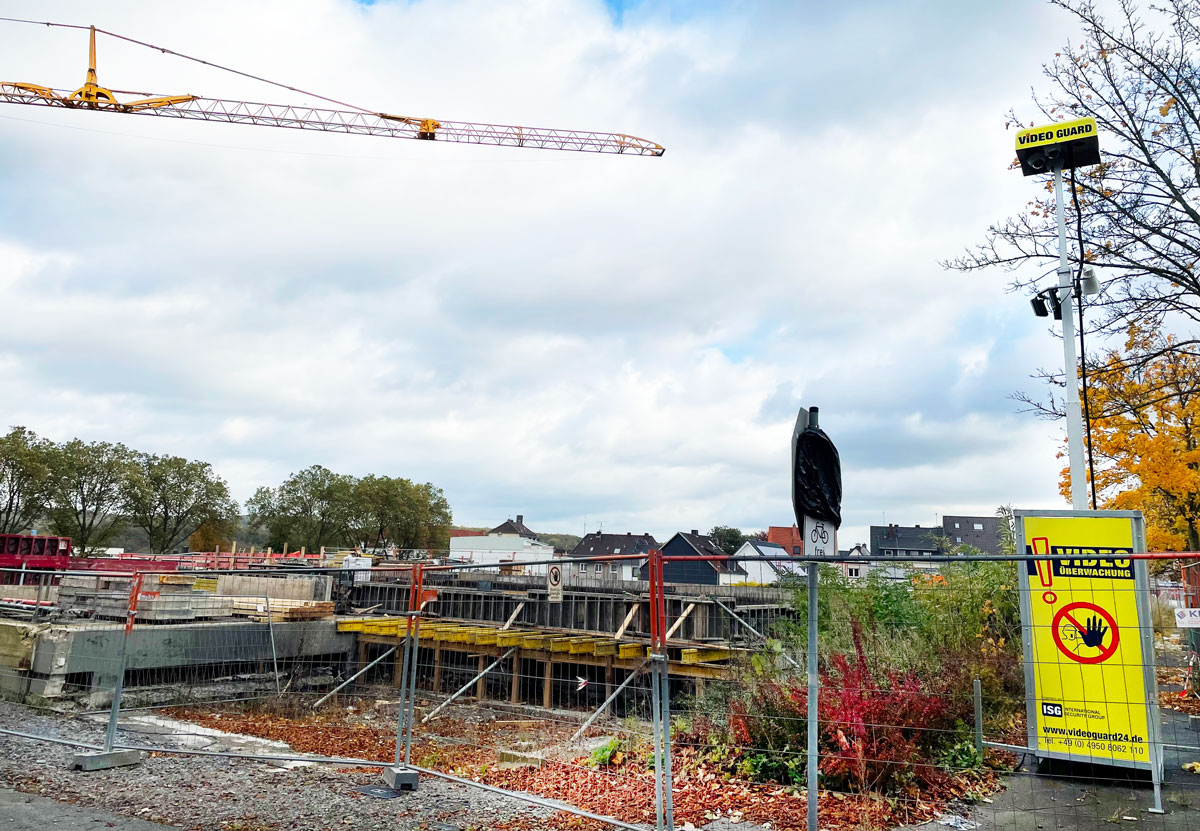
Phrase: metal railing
pixel 875 701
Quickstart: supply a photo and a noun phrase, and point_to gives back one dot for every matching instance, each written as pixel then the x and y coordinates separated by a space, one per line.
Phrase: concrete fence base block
pixel 400 778
pixel 104 761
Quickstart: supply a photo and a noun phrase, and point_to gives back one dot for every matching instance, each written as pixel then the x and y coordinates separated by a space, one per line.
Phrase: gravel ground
pixel 25 812
pixel 217 794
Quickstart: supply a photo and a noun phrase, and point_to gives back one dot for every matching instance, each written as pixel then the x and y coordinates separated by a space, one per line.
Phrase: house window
pixel 852 571
pixel 599 568
pixel 795 549
pixel 978 526
pixel 958 539
pixel 956 525
pixel 615 568
pixel 583 567
pixel 616 551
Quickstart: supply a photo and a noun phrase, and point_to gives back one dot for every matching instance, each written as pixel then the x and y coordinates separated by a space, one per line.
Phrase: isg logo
pixel 1052 710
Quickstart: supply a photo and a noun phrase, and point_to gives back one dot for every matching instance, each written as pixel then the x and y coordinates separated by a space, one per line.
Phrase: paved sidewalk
pixel 26 812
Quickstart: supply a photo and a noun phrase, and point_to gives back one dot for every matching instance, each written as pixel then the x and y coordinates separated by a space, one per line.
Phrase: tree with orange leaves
pixel 1145 428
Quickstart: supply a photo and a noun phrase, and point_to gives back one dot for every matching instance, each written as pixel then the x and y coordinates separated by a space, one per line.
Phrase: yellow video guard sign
pixel 1082 128
pixel 1086 658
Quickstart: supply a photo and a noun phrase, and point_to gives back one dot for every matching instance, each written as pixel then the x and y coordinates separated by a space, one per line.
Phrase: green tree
pixel 312 508
pixel 1138 212
pixel 427 524
pixel 730 539
pixel 1008 540
pixel 87 487
pixel 561 542
pixel 169 498
pixel 24 480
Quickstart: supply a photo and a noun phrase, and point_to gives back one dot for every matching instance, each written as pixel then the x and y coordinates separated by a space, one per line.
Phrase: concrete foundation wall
pixel 89 654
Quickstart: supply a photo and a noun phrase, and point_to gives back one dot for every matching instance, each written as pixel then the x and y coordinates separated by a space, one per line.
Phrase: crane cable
pixel 166 51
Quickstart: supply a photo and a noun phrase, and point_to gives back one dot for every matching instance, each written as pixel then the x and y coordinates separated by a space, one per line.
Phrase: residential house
pixel 509 545
pixel 597 544
pixel 705 572
pixel 857 562
pixel 789 538
pixel 905 542
pixel 982 532
pixel 510 528
pixel 765 572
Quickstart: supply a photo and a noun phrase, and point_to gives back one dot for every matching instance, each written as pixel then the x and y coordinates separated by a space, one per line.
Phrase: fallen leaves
pixel 624 790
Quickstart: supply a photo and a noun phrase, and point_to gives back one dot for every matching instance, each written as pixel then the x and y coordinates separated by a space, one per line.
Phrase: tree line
pixel 94 491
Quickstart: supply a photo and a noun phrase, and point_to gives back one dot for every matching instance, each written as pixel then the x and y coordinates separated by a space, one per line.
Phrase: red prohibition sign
pixel 1071 613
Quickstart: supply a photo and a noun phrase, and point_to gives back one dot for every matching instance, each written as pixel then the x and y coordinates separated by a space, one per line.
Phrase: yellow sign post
pixel 1091 691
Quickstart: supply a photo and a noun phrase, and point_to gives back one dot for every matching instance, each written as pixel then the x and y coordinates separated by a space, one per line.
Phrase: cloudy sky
pixel 577 338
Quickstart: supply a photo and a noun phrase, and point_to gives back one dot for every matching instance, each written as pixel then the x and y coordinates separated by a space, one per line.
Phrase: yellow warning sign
pixel 1086 657
pixel 1054 133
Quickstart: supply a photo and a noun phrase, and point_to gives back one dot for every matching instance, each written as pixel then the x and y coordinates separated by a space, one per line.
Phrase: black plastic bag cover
pixel 817 491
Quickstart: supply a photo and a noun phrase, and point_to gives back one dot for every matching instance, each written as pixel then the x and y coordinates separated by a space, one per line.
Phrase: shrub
pixel 879 730
pixel 608 753
pixel 960 756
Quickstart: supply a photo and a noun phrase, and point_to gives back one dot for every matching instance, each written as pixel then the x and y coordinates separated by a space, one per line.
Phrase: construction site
pixel 199 626
pixel 263 388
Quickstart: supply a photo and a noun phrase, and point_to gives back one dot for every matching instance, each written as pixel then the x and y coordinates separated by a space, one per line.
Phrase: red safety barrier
pixel 21 551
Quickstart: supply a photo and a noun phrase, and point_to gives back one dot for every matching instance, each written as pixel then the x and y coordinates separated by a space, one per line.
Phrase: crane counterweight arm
pixel 344 121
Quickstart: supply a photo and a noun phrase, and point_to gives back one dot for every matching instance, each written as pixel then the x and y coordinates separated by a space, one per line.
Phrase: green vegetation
pixel 898 657
pixel 101 493
pixel 561 542
pixel 611 752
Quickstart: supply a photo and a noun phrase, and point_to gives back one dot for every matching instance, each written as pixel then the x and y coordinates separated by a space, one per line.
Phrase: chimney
pixel 520 519
pixel 629 533
pixel 695 533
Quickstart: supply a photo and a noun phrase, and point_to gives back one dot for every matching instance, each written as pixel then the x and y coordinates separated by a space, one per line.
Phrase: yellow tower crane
pixel 355 120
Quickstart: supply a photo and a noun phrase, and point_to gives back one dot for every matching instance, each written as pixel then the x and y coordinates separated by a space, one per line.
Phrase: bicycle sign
pixel 820 538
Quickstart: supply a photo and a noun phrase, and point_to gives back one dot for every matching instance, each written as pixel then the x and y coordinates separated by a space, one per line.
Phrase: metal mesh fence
pixel 629 690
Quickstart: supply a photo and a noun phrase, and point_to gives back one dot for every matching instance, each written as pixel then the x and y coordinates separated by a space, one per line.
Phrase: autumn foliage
pixel 881 730
pixel 1145 426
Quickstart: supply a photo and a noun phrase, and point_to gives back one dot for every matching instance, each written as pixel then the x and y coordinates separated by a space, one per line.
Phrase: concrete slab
pixel 400 778
pixel 104 761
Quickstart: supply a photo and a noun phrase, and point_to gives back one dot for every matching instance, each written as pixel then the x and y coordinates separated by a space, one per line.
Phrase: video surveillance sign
pixel 1089 653
pixel 1067 144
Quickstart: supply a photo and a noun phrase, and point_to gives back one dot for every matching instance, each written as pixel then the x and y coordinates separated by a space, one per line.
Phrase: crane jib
pixel 346 121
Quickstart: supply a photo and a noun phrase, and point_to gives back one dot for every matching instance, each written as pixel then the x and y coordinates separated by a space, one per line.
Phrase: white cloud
pixel 548 333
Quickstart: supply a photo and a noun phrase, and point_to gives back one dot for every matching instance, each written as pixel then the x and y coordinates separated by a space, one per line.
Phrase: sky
pixel 580 339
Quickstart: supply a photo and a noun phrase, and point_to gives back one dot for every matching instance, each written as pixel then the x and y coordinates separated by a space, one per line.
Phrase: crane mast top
pixel 354 121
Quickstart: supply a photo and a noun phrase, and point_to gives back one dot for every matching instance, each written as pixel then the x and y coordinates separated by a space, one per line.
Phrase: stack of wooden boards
pixel 281 610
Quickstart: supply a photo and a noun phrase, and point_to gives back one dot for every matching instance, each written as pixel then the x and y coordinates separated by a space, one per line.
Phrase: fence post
pixel 655 690
pixel 665 710
pixel 978 689
pixel 274 654
pixel 813 759
pixel 109 758
pixel 400 776
pixel 415 627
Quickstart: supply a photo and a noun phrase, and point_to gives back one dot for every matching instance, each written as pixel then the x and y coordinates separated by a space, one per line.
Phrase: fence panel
pixel 678 697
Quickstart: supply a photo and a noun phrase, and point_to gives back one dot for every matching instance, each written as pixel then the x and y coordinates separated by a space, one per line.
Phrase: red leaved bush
pixel 880 735
pixel 880 731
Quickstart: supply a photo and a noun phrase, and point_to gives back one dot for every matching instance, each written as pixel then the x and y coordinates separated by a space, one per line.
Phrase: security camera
pixel 1089 282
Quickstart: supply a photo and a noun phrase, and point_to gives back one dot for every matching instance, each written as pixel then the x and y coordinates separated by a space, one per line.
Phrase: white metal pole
pixel 1074 412
pixel 812 758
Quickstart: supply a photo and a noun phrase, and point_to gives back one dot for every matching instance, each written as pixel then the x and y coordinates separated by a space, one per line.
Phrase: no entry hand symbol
pixel 1085 633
